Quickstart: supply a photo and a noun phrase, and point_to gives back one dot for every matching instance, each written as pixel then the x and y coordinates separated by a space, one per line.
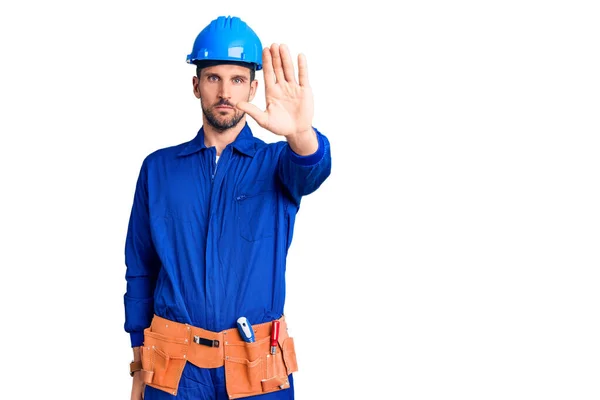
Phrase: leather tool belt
pixel 250 368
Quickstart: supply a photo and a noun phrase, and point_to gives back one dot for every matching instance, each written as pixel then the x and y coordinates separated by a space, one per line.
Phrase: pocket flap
pixel 289 355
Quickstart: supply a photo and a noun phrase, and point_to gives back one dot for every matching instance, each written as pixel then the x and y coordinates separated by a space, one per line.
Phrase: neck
pixel 220 139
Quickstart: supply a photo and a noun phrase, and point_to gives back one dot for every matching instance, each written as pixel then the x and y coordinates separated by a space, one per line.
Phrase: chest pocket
pixel 256 209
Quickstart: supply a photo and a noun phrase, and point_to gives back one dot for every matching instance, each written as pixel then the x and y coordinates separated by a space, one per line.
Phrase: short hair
pixel 211 63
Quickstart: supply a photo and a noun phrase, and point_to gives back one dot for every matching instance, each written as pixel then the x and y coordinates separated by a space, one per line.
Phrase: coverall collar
pixel 244 143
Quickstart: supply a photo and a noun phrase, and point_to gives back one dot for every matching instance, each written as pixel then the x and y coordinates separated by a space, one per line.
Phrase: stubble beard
pixel 220 124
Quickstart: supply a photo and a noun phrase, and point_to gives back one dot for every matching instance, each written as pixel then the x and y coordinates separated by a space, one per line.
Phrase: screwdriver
pixel 274 336
pixel 245 329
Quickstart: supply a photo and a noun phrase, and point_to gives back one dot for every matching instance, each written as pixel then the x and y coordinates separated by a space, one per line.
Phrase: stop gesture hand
pixel 289 101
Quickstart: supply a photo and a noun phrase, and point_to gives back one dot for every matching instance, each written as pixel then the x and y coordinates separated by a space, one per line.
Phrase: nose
pixel 225 90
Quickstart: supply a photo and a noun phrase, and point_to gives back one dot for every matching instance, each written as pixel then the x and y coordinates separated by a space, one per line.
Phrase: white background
pixel 452 254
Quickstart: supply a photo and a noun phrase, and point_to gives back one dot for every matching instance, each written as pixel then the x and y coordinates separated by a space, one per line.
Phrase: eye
pixel 212 78
pixel 238 80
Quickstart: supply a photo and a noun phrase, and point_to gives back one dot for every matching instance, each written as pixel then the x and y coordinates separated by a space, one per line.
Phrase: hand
pixel 290 105
pixel 138 386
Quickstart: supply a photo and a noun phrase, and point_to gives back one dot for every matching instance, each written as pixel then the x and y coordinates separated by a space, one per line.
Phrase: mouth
pixel 224 108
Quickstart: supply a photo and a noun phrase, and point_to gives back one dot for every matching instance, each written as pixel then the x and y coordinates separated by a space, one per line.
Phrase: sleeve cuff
pixel 137 338
pixel 310 159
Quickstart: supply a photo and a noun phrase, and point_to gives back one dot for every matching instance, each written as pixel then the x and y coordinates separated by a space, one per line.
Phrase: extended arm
pixel 306 162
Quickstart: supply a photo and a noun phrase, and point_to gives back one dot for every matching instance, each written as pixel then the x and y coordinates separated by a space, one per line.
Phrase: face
pixel 219 88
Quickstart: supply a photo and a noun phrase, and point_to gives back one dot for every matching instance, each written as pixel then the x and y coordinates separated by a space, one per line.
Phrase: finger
pixel 268 73
pixel 277 67
pixel 288 66
pixel 256 113
pixel 303 70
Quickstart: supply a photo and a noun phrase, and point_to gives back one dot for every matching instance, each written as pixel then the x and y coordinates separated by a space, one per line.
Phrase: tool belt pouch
pixel 163 360
pixel 250 369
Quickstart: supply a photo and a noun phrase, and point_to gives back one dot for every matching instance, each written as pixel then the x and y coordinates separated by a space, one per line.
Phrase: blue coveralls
pixel 207 242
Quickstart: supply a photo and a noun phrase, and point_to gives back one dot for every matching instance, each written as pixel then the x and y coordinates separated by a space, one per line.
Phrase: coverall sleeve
pixel 302 175
pixel 142 264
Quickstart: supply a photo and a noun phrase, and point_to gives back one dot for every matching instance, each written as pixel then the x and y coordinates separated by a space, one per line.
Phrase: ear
pixel 253 87
pixel 196 86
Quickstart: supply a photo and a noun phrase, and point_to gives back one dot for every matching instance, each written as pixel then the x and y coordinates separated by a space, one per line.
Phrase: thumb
pixel 259 116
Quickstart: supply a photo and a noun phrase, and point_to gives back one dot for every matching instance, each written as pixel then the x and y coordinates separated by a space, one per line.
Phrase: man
pixel 210 226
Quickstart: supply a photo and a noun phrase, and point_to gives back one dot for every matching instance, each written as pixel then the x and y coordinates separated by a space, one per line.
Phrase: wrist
pixel 136 364
pixel 137 353
pixel 304 143
pixel 306 133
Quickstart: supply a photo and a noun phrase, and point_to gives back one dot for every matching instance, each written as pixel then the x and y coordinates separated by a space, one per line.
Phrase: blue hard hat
pixel 227 39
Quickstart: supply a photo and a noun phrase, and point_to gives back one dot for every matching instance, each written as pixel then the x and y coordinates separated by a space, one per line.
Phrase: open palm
pixel 289 102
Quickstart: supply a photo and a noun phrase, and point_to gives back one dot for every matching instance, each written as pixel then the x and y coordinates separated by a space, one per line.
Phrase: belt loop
pixel 206 342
